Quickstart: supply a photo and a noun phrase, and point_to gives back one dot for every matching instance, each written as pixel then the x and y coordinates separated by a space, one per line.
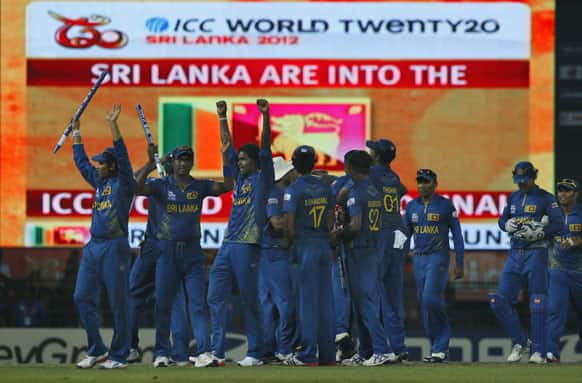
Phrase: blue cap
pixel 568 184
pixel 108 155
pixel 523 172
pixel 183 150
pixel 383 147
pixel 426 174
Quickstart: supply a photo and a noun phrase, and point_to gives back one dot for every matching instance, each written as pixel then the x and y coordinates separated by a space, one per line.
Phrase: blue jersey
pixel 532 206
pixel 113 196
pixel 569 258
pixel 311 200
pixel 365 200
pixel 155 209
pixel 388 184
pixel 430 224
pixel 272 238
pixel 179 213
pixel 247 217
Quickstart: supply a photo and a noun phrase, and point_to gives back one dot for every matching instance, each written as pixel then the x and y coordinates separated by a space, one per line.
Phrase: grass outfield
pixel 410 372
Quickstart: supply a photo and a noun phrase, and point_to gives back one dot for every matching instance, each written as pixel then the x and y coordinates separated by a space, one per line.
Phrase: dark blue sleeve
pixel 125 173
pixel 157 186
pixel 290 200
pixel 267 170
pixel 232 161
pixel 87 170
pixel 555 215
pixel 274 202
pixel 407 222
pixel 354 204
pixel 504 217
pixel 455 227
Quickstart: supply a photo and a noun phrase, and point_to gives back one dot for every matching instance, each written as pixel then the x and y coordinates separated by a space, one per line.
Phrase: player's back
pixel 390 187
pixel 365 199
pixel 313 202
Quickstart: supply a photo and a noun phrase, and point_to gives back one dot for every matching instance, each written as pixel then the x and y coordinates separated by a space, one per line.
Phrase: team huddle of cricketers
pixel 318 260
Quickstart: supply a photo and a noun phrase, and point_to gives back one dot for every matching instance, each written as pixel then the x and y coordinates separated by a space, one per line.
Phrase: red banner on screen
pixel 300 73
pixel 77 203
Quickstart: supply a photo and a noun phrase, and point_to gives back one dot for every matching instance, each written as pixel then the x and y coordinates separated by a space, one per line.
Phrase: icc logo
pixel 87 34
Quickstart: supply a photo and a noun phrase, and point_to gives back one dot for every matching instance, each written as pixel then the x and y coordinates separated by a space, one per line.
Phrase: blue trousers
pixel 431 273
pixel 366 298
pixel 275 292
pixel 142 287
pixel 522 268
pixel 316 314
pixel 181 264
pixel 235 262
pixel 105 263
pixel 565 287
pixel 342 301
pixel 392 277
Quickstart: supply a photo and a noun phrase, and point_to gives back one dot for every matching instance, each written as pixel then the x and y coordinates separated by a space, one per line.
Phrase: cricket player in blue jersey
pixel 393 243
pixel 531 218
pixel 142 286
pixel 309 212
pixel 429 218
pixel 181 260
pixel 238 257
pixel 274 270
pixel 565 267
pixel 106 258
pixel 364 204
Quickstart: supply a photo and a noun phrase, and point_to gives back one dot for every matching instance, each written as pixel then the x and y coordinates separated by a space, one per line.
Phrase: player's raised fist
pixel 221 108
pixel 263 105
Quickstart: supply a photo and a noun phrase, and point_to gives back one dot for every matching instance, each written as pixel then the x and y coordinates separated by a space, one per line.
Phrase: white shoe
pixel 435 357
pixel 112 364
pixel 91 361
pixel 379 359
pixel 283 357
pixel 161 361
pixel 249 361
pixel 204 360
pixel 133 356
pixel 355 360
pixel 537 358
pixel 517 352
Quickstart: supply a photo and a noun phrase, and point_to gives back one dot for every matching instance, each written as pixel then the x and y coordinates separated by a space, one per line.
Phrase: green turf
pixel 411 372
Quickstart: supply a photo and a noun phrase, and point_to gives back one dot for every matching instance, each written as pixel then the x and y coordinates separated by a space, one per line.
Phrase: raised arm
pixel 87 170
pixel 123 164
pixel 265 156
pixel 229 165
pixel 141 175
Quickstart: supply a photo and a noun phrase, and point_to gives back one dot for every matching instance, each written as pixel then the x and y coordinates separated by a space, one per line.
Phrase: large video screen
pixel 462 87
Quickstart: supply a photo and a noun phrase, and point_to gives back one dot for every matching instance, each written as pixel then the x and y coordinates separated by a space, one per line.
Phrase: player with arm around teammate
pixel 429 218
pixel 565 284
pixel 181 261
pixel 106 258
pixel 527 262
pixel 364 204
